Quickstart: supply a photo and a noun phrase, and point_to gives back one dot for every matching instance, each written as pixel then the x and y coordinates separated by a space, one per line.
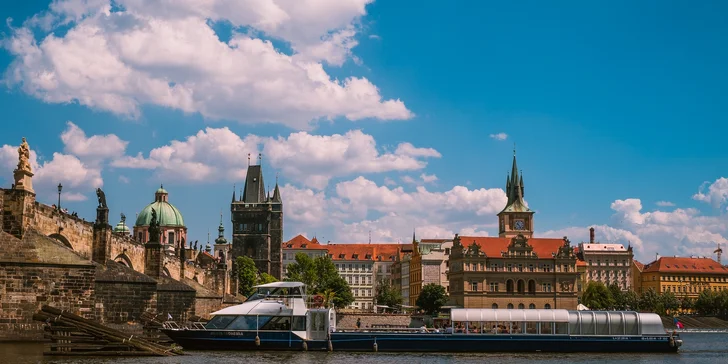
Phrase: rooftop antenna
pixel 276 177
pixel 370 236
pixel 248 159
pixel 260 158
pixel 718 251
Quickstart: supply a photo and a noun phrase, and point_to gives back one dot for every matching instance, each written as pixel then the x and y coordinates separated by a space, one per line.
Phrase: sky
pixel 378 118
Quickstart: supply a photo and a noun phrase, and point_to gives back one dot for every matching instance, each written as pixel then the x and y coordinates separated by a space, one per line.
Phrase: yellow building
pixel 685 277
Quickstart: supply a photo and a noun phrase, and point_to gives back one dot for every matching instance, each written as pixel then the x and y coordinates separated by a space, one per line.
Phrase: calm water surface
pixel 697 348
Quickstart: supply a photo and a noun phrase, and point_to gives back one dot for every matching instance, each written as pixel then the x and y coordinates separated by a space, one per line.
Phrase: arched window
pixel 509 286
pixel 521 306
pixel 532 306
pixel 510 306
pixel 547 306
pixel 521 286
pixel 494 306
pixel 532 286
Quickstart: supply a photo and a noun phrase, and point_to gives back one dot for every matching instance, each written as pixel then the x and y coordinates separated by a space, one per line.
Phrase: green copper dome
pixel 167 214
pixel 121 227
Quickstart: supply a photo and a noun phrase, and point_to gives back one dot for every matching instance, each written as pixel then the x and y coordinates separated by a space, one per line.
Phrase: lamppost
pixel 60 187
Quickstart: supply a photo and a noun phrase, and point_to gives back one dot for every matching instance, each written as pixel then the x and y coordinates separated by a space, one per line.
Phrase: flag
pixel 169 316
pixel 679 325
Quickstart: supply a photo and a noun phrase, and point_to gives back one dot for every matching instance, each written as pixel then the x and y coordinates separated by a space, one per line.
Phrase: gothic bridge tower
pixel 257 220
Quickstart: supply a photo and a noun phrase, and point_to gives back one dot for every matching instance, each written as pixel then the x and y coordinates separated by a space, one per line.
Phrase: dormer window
pixel 355 256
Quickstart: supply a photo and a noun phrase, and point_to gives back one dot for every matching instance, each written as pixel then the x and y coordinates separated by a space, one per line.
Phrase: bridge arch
pixel 62 239
pixel 124 259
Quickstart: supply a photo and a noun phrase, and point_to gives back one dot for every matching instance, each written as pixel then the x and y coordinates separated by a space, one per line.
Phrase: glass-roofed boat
pixel 279 316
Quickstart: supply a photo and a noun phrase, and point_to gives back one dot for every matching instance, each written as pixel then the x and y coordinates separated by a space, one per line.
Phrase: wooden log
pixel 99 353
pixel 99 330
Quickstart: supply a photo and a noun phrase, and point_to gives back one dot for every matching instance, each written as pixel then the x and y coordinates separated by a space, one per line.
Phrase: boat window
pixel 299 323
pixel 588 327
pixel 474 328
pixel 249 322
pixel 602 323
pixel 547 328
pixel 278 323
pixel 532 328
pixel 562 328
pixel 219 322
pixel 490 327
pixel 516 328
pixel 616 323
pixel 459 327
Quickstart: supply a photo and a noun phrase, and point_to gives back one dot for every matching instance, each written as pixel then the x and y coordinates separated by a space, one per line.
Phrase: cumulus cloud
pixel 95 148
pixel 499 136
pixel 165 53
pixel 428 178
pixel 681 232
pixel 715 194
pixel 311 160
pixel 664 204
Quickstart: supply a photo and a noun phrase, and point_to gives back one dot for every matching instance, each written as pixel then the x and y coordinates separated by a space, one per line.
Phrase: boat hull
pixel 417 342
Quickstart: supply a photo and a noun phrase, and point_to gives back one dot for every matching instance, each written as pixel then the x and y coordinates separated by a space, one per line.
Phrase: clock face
pixel 519 225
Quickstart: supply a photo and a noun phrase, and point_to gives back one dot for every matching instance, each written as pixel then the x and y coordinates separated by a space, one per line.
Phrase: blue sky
pixel 614 107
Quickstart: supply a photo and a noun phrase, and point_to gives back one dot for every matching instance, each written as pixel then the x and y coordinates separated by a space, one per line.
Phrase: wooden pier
pixel 73 335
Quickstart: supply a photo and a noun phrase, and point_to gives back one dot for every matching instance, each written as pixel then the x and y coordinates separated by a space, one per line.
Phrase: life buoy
pixel 318 300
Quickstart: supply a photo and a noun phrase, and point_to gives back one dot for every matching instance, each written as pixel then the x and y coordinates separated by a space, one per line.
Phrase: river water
pixel 697 348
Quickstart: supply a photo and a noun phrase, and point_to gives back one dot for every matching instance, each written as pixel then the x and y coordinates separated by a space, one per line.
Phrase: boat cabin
pixel 554 322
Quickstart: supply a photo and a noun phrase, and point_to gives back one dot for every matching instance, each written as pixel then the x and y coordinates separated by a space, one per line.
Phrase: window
pixel 547 306
pixel 532 306
pixel 521 306
pixel 494 286
pixel 546 287
pixel 510 306
pixel 474 286
pixel 494 306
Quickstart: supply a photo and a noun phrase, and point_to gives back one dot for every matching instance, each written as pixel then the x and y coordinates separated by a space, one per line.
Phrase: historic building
pixel 429 264
pixel 258 224
pixel 173 231
pixel 513 270
pixel 606 263
pixel 300 244
pixel 684 276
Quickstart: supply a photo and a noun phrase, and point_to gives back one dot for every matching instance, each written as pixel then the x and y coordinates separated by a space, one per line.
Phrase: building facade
pixel 300 244
pixel 606 263
pixel 686 277
pixel 258 224
pixel 513 270
pixel 429 264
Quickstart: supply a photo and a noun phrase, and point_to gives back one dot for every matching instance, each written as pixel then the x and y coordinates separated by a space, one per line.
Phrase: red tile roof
pixel 494 246
pixel 686 265
pixel 387 252
pixel 580 263
pixel 301 242
pixel 639 265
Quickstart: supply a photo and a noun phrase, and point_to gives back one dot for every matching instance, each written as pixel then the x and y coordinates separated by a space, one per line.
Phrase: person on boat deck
pixel 358 323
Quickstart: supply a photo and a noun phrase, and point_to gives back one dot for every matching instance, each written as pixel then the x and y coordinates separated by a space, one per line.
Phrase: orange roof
pixel 300 242
pixel 494 246
pixel 686 265
pixel 580 263
pixel 639 265
pixel 378 252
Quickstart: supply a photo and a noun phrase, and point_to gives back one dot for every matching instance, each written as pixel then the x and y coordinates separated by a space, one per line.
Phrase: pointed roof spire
pixel 233 192
pixel 413 236
pixel 276 191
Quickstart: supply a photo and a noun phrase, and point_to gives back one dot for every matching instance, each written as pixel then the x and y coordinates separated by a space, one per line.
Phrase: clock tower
pixel 516 218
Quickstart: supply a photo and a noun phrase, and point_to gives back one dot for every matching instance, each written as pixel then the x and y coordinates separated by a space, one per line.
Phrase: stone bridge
pixel 78 235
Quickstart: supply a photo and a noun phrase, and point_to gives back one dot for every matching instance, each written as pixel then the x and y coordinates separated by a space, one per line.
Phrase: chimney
pixel 591 235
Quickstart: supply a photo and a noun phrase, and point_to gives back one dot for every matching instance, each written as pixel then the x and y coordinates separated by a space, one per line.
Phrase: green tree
pixel 387 295
pixel 687 304
pixel 618 297
pixel 649 301
pixel 432 298
pixel 247 275
pixel 669 303
pixel 706 303
pixel 320 277
pixel 266 278
pixel 631 301
pixel 597 296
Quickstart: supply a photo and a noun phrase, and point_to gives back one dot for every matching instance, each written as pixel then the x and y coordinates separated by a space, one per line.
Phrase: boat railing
pixel 394 330
pixel 170 325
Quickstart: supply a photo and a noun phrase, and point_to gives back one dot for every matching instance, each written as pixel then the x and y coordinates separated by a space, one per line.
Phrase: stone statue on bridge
pixel 102 198
pixel 154 227
pixel 24 157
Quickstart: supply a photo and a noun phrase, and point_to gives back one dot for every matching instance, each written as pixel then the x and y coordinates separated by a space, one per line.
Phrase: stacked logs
pixel 74 335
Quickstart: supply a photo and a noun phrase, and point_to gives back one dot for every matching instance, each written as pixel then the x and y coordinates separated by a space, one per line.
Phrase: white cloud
pixel 408 179
pixel 165 53
pixel 681 232
pixel 315 159
pixel 304 206
pixel 664 204
pixel 95 148
pixel 716 193
pixel 124 179
pixel 499 136
pixel 211 153
pixel 311 160
pixel 428 178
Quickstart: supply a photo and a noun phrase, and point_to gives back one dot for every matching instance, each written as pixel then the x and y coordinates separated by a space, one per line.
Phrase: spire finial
pixel 276 178
pixel 248 159
pixel 260 158
pixel 514 149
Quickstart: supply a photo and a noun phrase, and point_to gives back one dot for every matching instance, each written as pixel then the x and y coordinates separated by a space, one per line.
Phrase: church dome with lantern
pixel 170 220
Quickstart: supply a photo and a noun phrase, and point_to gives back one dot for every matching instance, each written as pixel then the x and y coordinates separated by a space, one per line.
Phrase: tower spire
pixel 413 236
pixel 233 193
